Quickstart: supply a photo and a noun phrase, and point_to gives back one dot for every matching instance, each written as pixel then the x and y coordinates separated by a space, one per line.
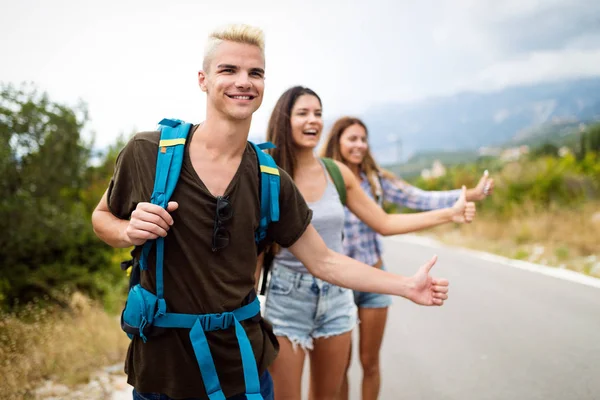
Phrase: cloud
pixel 535 68
pixel 547 27
pixel 138 65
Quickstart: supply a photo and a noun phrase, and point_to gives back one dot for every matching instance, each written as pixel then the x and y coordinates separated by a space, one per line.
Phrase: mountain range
pixel 469 120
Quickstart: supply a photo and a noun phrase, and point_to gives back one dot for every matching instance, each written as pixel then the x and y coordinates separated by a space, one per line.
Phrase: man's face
pixel 235 80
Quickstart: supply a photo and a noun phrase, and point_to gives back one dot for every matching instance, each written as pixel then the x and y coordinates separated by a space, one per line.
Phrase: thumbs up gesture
pixel 484 187
pixel 427 290
pixel 463 211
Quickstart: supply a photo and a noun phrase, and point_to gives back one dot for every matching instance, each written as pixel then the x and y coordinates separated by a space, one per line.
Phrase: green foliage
pixel 562 253
pixel 47 243
pixel 594 138
pixel 521 254
pixel 547 149
pixel 540 181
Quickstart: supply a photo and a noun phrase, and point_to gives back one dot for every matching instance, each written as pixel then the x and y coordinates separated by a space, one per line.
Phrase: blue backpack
pixel 145 311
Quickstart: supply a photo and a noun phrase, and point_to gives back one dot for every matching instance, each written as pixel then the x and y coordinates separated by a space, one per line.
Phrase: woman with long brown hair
pixel 347 143
pixel 305 311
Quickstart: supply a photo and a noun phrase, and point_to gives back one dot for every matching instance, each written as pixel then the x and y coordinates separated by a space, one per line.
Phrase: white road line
pixel 554 272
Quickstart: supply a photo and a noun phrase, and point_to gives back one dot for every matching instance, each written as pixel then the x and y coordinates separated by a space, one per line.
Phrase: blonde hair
pixel 239 33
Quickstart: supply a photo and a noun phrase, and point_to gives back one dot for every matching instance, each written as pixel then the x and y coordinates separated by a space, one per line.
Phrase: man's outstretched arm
pixel 344 271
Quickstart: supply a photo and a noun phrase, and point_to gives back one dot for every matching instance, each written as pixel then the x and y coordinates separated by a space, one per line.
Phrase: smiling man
pixel 210 248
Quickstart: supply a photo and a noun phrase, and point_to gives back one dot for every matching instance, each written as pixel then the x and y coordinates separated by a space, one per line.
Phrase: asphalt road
pixel 505 333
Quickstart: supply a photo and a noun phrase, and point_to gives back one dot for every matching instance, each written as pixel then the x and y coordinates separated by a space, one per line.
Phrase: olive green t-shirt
pixel 196 279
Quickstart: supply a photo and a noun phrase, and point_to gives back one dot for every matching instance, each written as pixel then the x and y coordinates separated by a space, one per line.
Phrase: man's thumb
pixel 464 192
pixel 172 206
pixel 429 264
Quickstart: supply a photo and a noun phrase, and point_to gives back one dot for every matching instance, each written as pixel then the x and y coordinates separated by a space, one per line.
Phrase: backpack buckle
pixel 215 322
pixel 126 264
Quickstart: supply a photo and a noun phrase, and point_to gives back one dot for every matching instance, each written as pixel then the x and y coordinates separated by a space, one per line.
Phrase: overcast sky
pixel 135 62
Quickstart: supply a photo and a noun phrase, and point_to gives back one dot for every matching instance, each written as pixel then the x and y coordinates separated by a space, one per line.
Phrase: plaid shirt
pixel 364 244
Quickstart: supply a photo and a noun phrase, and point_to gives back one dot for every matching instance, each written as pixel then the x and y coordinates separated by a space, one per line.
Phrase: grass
pixel 565 238
pixel 66 346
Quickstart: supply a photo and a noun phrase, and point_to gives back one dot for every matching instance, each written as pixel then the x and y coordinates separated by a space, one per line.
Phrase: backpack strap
pixel 173 135
pixel 269 190
pixel 336 177
pixel 266 167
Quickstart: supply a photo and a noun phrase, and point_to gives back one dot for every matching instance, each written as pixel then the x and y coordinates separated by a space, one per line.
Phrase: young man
pixel 220 169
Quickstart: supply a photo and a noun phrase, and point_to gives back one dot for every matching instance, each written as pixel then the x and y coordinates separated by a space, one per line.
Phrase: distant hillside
pixel 415 164
pixel 557 132
pixel 467 121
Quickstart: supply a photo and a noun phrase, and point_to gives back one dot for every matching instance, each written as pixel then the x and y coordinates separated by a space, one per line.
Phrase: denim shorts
pixel 266 390
pixel 372 300
pixel 302 307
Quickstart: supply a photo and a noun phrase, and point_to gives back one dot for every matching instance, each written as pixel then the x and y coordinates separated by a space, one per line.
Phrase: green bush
pixel 541 181
pixel 48 244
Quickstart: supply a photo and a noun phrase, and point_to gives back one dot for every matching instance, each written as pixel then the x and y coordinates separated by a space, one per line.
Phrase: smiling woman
pixel 306 121
pixel 348 142
pixel 307 311
pixel 294 295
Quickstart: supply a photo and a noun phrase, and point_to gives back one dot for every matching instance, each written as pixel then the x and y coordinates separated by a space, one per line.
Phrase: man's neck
pixel 222 137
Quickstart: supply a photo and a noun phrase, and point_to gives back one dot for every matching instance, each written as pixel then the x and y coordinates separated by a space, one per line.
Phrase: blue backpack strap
pixel 269 190
pixel 265 145
pixel 173 134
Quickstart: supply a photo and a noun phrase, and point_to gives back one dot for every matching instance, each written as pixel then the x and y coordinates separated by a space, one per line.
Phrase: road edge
pixel 554 272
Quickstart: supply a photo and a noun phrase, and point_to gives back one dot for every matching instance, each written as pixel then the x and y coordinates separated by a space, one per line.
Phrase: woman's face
pixel 353 144
pixel 306 121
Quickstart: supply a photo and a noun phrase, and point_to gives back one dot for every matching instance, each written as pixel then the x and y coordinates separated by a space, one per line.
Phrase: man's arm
pixel 343 271
pixel 392 224
pixel 148 221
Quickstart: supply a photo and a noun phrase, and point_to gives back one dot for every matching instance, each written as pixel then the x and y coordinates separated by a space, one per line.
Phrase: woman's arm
pixel 386 224
pixel 405 195
pixel 484 188
pixel 399 192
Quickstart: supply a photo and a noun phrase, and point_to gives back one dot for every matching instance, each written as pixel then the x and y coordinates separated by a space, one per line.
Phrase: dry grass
pixel 562 238
pixel 48 343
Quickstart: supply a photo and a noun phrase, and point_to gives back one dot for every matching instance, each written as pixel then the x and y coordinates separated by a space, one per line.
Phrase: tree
pixel 547 149
pixel 46 240
pixel 593 134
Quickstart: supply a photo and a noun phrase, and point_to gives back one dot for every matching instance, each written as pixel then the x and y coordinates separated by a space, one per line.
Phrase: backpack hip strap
pixel 211 322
